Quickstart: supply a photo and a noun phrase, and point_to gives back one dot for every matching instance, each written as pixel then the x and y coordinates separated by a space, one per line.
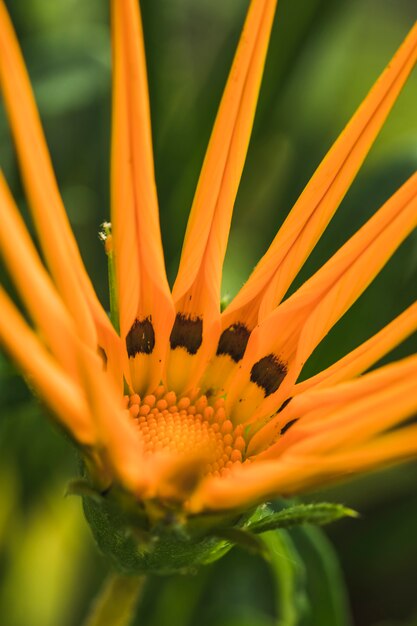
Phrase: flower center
pixel 189 425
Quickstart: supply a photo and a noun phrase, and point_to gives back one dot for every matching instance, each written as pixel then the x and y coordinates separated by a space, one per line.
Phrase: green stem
pixel 114 303
pixel 116 602
pixel 107 238
pixel 288 573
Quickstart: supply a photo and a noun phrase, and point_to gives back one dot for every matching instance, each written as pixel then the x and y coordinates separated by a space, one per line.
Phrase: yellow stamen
pixel 188 425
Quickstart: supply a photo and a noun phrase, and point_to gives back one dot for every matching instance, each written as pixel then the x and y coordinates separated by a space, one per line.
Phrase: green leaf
pixel 320 514
pixel 244 539
pixel 328 602
pixel 289 575
pixel 248 619
pixel 173 599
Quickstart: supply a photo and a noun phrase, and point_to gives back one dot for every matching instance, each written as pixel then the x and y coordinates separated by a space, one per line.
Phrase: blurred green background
pixel 323 58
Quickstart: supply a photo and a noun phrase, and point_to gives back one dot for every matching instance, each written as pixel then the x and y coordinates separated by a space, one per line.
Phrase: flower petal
pixel 317 409
pixel 315 207
pixel 308 218
pixel 360 430
pixel 365 355
pixel 254 483
pixel 54 386
pixel 118 438
pixel 395 446
pixel 357 411
pixel 145 303
pixel 259 481
pixel 56 237
pixel 197 288
pixel 289 334
pixel 92 414
pixel 34 285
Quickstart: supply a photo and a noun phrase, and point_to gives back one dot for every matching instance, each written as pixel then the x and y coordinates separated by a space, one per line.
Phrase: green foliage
pixel 317 513
pixel 154 538
pixel 116 604
pixel 299 583
pixel 325 585
pixel 144 539
pixel 244 539
pixel 134 548
pixel 289 575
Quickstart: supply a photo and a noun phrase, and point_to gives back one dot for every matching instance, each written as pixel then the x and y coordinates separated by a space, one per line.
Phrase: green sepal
pixel 320 513
pixel 136 544
pixel 156 537
pixel 81 487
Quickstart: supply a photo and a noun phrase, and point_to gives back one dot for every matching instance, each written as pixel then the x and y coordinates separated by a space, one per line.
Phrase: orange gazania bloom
pixel 176 401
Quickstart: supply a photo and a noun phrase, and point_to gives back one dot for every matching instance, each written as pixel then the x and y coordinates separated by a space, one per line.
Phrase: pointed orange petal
pixel 399 445
pixel 57 240
pixel 356 442
pixel 355 265
pixel 54 386
pixel 197 288
pixel 313 210
pixel 290 334
pixel 316 403
pixel 124 236
pixel 365 355
pixel 253 483
pixel 357 420
pixel 118 438
pixel 316 410
pixel 210 215
pixel 145 303
pixel 33 283
pixel 291 474
pixel 174 477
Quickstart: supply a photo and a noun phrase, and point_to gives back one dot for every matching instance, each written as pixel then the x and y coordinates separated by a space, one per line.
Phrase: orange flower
pixel 176 402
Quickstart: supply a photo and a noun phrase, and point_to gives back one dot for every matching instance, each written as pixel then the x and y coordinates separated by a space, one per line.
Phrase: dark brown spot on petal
pixel 141 337
pixel 268 373
pixel 187 333
pixel 288 425
pixel 233 341
pixel 102 354
pixel 284 404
